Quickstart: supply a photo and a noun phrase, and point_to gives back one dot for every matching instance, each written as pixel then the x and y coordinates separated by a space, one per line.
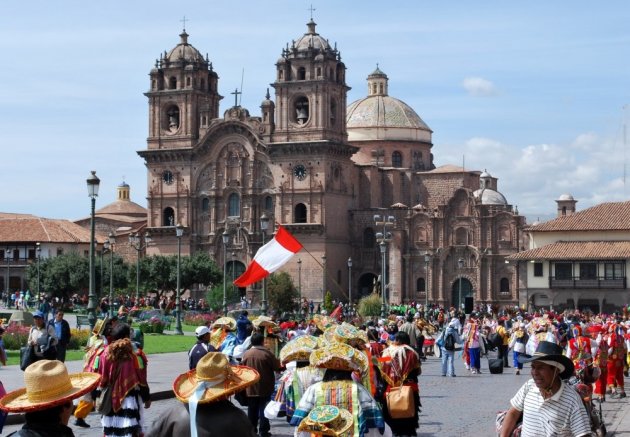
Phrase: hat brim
pixel 342 426
pixel 17 401
pixel 225 322
pixel 565 361
pixel 242 377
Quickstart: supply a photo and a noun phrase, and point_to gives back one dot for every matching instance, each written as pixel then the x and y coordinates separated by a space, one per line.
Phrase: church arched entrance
pixel 467 295
pixel 366 285
pixel 234 269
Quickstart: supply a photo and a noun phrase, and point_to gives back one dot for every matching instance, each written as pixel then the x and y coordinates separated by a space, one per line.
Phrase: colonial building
pixel 579 259
pixel 323 169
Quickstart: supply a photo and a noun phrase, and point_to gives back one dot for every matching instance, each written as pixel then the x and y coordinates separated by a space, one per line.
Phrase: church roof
pixel 22 228
pixel 184 51
pixel 123 207
pixel 609 216
pixel 383 111
pixel 311 39
pixel 448 168
pixel 488 196
pixel 576 250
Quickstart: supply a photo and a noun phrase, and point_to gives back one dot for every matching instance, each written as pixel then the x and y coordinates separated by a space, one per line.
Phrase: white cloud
pixel 586 141
pixel 479 87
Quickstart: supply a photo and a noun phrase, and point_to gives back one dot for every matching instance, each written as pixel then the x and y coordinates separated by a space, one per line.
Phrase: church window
pixel 234 205
pixel 369 241
pixel 172 83
pixel 504 233
pixel 172 118
pixel 299 213
pixel 564 210
pixel 420 285
pixel 333 112
pixel 153 84
pixel 280 74
pixel 205 205
pixel 301 73
pixel 301 112
pixel 202 84
pixel 319 71
pixel 380 88
pixel 397 159
pixel 268 203
pixel 461 236
pixel 421 234
pixel 204 120
pixel 168 217
pixel 188 81
pixel 504 285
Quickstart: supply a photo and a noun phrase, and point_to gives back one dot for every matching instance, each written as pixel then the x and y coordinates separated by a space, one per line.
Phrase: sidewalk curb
pixel 16 419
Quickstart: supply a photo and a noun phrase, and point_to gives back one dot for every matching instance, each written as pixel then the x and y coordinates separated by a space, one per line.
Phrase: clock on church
pixel 299 171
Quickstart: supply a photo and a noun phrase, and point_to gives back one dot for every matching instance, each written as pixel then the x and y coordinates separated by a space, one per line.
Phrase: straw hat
pixel 327 420
pixel 322 322
pixel 48 385
pixel 347 333
pixel 222 379
pixel 264 321
pixel 298 349
pixel 339 356
pixel 225 322
pixel 100 325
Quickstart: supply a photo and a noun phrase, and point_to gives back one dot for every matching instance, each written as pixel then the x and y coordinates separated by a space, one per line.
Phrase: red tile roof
pixel 575 250
pixel 23 228
pixel 611 216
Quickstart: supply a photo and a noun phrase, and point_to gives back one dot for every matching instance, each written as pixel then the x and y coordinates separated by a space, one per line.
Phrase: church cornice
pixel 311 148
pixel 165 155
pixel 304 228
pixel 227 127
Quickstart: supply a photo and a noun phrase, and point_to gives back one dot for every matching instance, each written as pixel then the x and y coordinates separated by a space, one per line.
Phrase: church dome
pixel 488 196
pixel 311 40
pixel 184 51
pixel 382 117
pixel 566 197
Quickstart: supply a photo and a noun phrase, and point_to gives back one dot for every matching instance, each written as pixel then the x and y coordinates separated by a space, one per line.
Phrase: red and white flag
pixel 270 258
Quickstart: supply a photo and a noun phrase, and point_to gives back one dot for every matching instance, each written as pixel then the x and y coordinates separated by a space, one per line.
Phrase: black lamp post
pixel 92 185
pixel 136 241
pixel 179 231
pixel 226 239
pixel 460 264
pixel 8 255
pixel 299 263
pixel 383 238
pixel 264 225
pixel 109 244
pixel 38 251
pixel 350 283
pixel 323 280
pixel 427 260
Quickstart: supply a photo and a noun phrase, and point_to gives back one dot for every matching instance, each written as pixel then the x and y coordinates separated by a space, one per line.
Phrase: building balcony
pixel 579 283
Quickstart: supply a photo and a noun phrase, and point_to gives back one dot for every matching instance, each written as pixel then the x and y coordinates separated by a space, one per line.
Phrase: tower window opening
pixel 168 217
pixel 299 213
pixel 234 205
pixel 319 71
pixel 172 83
pixel 301 110
pixel 280 74
pixel 396 159
pixel 188 81
pixel 301 73
pixel 205 205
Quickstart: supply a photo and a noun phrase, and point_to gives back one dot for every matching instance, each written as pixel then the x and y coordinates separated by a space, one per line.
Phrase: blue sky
pixel 534 92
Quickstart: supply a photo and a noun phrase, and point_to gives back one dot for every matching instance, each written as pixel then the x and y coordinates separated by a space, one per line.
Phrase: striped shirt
pixel 563 414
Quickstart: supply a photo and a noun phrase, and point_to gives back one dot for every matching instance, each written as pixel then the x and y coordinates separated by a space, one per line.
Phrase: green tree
pixel 370 306
pixel 282 293
pixel 214 296
pixel 61 276
pixel 199 268
pixel 328 304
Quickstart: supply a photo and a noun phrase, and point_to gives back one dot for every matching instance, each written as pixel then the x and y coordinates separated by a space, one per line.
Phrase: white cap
pixel 201 331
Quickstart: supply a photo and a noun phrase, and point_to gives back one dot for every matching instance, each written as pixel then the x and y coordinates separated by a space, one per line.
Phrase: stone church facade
pixel 323 169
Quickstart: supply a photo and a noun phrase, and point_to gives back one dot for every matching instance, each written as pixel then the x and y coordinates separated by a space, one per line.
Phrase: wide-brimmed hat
pixel 347 333
pixel 264 322
pixel 48 384
pixel 550 353
pixel 100 325
pixel 323 322
pixel 339 356
pixel 298 349
pixel 215 377
pixel 225 322
pixel 327 420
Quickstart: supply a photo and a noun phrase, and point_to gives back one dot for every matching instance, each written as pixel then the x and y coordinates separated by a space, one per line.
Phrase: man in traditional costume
pixel 222 336
pixel 599 348
pixel 616 357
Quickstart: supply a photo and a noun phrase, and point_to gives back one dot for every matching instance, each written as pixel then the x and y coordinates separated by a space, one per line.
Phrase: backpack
pixel 449 342
pixel 495 340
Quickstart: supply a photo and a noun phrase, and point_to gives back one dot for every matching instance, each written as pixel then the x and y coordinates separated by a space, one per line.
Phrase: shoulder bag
pixel 104 401
pixel 400 403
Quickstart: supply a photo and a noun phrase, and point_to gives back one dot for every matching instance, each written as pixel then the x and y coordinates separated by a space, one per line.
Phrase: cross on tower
pixel 311 9
pixel 236 93
pixel 183 20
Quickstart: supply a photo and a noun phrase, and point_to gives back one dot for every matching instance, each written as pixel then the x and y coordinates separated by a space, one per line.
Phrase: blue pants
pixel 475 361
pixel 515 358
pixel 447 361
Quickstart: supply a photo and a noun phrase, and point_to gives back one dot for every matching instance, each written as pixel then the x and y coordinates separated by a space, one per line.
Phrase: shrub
pixel 328 304
pixel 199 319
pixel 370 306
pixel 154 325
pixel 79 338
pixel 15 336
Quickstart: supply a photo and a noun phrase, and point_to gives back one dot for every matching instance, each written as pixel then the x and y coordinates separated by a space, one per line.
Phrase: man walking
pixel 62 330
pixel 201 348
pixel 261 359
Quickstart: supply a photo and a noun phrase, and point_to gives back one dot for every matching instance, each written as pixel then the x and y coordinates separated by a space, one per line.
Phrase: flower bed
pixel 15 336
pixel 155 325
pixel 199 319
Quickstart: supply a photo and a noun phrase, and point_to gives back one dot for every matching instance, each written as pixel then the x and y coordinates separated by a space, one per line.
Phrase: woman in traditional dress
pixel 124 371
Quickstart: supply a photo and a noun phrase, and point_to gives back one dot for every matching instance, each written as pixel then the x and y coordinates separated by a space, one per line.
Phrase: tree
pixel 282 293
pixel 61 276
pixel 214 296
pixel 199 269
pixel 328 304
pixel 370 306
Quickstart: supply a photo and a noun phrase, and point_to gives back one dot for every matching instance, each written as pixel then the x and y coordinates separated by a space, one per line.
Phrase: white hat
pixel 201 331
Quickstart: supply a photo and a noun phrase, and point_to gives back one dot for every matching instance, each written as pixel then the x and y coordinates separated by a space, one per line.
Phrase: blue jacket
pixel 242 325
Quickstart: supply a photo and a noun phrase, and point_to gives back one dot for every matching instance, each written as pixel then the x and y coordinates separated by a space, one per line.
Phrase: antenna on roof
pixel 242 77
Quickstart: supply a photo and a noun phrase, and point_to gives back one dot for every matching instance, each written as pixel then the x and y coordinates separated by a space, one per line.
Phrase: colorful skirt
pixel 126 422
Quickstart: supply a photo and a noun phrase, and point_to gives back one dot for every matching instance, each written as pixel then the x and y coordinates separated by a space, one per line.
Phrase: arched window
pixel 268 203
pixel 299 213
pixel 504 285
pixel 234 205
pixel 420 285
pixel 205 205
pixel 172 83
pixel 188 81
pixel 369 241
pixel 168 217
pixel 333 112
pixel 301 73
pixel 397 159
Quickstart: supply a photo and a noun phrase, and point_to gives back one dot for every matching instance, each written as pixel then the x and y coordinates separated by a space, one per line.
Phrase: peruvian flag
pixel 270 258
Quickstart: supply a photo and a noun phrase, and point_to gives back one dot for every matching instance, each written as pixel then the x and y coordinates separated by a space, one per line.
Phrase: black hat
pixel 548 351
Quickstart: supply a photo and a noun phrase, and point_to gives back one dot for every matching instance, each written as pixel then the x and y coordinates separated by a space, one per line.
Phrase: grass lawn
pixel 153 344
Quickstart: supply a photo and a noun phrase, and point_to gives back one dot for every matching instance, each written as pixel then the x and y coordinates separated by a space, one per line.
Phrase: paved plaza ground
pixel 461 406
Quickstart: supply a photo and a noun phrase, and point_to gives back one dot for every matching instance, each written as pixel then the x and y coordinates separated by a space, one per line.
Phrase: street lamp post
pixel 323 279
pixel 350 284
pixel 106 248
pixel 233 267
pixel 92 184
pixel 8 255
pixel 101 256
pixel 179 231
pixel 427 259
pixel 226 239
pixel 136 241
pixel 299 263
pixel 460 264
pixel 38 251
pixel 383 238
pixel 264 225
pixel 111 242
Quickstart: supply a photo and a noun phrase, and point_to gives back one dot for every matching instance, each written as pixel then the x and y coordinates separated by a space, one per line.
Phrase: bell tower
pixel 183 97
pixel 310 91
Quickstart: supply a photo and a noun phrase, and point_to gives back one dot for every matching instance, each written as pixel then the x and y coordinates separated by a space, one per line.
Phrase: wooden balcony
pixel 578 283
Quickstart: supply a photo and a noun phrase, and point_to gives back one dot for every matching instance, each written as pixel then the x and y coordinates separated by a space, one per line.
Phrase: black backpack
pixel 449 342
pixel 494 340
